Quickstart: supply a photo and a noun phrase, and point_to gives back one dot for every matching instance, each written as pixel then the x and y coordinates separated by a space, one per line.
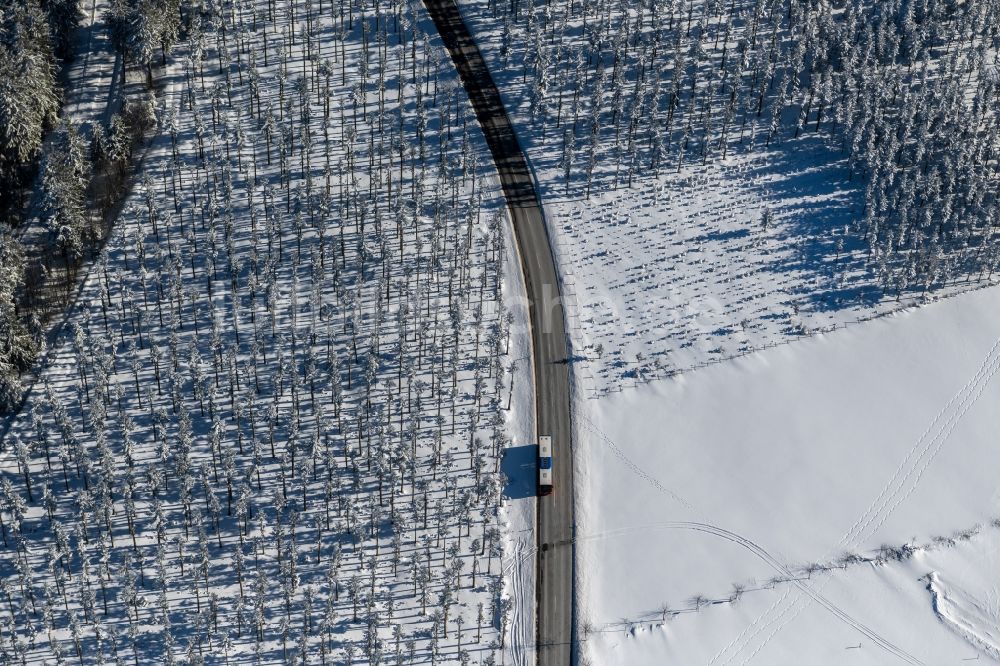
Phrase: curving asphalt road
pixel 550 349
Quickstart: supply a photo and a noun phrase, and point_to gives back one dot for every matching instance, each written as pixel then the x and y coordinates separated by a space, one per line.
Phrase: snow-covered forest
pixel 274 425
pixel 907 90
pixel 73 121
pixel 31 39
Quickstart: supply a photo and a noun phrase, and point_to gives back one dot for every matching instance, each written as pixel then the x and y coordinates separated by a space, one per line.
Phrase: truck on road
pixel 545 465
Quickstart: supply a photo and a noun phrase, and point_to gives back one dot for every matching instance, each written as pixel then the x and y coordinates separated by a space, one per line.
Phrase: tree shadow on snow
pixel 816 207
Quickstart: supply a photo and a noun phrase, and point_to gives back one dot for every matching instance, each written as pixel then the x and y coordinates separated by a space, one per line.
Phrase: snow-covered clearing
pixel 273 430
pixel 680 271
pixel 871 436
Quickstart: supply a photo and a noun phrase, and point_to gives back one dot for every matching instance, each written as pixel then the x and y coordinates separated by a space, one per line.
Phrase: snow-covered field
pixel 811 456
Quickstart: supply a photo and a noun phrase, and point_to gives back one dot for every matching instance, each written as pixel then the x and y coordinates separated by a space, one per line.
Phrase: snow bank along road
pixel 548 332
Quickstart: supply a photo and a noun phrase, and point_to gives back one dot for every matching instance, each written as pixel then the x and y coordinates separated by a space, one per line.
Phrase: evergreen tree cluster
pixel 32 36
pixel 907 89
pixel 29 91
pixel 65 176
pixel 18 345
pixel 145 29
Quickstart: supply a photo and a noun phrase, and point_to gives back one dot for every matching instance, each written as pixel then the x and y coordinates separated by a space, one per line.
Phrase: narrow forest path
pixel 550 344
pixel 89 84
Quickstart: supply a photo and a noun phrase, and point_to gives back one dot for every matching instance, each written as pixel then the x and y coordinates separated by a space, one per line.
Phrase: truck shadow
pixel 519 466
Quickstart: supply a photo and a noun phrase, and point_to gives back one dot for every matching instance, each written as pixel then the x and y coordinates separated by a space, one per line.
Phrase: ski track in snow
pixel 761 553
pixel 973 381
pixel 519 629
pixel 739 640
pixel 590 425
pixel 777 565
